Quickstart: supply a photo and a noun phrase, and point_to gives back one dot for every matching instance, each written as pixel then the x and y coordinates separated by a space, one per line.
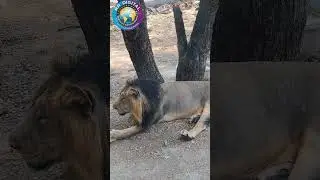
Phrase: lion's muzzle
pixel 119 110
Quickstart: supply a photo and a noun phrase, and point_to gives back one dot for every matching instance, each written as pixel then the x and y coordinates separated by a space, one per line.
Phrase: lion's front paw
pixel 112 139
pixel 113 135
pixel 185 135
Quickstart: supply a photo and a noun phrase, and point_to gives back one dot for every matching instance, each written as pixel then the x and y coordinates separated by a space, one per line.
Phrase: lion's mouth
pixel 122 113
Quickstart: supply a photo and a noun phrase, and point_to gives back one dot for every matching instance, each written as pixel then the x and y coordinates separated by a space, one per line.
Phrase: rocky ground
pixel 28 41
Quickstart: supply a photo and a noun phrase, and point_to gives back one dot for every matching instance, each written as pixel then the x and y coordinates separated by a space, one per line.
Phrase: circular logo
pixel 127 15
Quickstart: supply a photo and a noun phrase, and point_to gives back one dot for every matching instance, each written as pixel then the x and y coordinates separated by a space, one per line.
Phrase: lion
pixel 66 120
pixel 266 114
pixel 150 102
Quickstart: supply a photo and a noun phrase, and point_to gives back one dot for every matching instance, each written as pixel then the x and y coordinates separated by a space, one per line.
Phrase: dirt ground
pixel 157 153
pixel 29 40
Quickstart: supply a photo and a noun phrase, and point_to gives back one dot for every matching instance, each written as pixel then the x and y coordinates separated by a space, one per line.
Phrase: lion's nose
pixel 14 142
pixel 114 106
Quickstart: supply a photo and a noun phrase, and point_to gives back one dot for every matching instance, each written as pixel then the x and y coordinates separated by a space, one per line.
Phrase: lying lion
pixel 265 114
pixel 150 102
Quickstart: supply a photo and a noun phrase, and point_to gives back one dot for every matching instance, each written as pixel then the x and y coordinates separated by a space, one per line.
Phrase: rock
pixel 165 143
pixel 151 11
pixel 164 9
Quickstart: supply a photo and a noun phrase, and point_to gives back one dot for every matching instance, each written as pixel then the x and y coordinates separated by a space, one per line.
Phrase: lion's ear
pixel 133 92
pixel 77 98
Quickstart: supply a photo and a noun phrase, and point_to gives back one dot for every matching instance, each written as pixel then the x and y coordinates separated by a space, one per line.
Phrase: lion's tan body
pixel 177 100
pixel 185 99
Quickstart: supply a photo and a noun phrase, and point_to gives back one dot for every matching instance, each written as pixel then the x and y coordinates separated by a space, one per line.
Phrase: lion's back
pixel 184 95
pixel 195 88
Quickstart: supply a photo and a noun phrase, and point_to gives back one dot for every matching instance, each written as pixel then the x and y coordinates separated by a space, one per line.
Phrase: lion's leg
pixel 307 165
pixel 124 133
pixel 192 115
pixel 170 117
pixel 195 118
pixel 201 125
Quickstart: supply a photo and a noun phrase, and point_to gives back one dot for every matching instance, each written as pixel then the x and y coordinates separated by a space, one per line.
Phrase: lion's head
pixel 138 97
pixel 60 112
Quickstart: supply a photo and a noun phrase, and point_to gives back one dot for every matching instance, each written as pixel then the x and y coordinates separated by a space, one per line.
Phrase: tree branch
pixel 192 65
pixel 182 42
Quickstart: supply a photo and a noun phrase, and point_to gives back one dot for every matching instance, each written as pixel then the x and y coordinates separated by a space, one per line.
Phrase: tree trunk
pixel 140 50
pixel 93 17
pixel 255 30
pixel 193 56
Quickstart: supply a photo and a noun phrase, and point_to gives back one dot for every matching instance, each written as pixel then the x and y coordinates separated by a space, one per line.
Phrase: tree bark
pixel 193 56
pixel 93 17
pixel 258 30
pixel 140 50
pixel 182 42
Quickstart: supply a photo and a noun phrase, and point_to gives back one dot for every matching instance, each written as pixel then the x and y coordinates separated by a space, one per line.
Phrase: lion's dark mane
pixel 87 69
pixel 152 91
